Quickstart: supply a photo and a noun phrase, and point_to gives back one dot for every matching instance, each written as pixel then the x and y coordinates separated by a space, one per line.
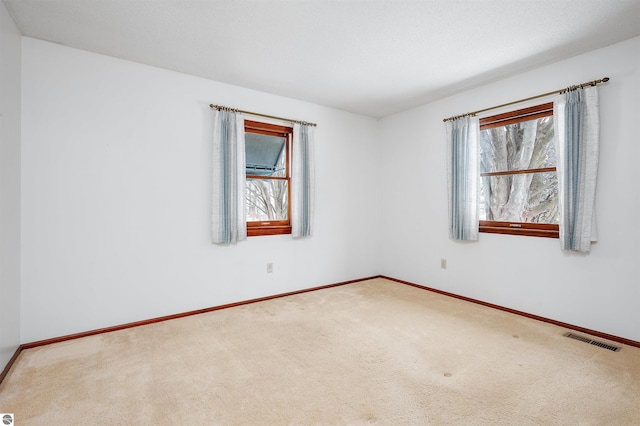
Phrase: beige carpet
pixel 374 352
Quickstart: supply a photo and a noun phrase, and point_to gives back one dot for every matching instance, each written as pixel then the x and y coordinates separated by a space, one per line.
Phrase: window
pixel 518 182
pixel 268 178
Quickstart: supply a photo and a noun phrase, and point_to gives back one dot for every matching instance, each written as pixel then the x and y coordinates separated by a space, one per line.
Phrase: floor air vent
pixel 592 342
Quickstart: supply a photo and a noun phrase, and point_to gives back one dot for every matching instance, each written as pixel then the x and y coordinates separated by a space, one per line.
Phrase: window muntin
pixel 268 178
pixel 518 182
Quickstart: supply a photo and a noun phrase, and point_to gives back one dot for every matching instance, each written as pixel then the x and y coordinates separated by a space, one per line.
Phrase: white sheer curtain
pixel 302 181
pixel 462 174
pixel 228 221
pixel 577 130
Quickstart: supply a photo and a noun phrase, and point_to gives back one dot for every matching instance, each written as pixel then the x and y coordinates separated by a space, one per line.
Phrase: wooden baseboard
pixel 524 314
pixel 291 293
pixel 180 315
pixel 160 319
pixel 10 363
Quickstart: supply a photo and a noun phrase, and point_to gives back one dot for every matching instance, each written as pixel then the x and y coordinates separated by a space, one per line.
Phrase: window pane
pixel 266 199
pixel 528 197
pixel 265 155
pixel 519 146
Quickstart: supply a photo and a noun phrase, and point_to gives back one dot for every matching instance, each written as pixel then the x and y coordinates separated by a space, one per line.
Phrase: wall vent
pixel 592 342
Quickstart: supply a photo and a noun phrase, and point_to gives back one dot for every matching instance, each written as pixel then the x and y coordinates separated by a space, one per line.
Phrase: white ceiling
pixel 371 57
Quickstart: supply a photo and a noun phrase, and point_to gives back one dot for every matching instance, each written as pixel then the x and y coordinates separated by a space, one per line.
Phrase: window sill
pixel 526 229
pixel 257 231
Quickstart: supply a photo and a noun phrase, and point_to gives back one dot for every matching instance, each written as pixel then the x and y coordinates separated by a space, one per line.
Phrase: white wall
pixel 10 50
pixel 115 200
pixel 116 204
pixel 600 291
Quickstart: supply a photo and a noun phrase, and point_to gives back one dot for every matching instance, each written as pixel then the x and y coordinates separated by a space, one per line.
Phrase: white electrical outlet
pixel 269 268
pixel 443 263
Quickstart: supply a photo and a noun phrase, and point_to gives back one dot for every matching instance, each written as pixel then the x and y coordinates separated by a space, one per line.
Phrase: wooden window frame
pixel 548 230
pixel 272 227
